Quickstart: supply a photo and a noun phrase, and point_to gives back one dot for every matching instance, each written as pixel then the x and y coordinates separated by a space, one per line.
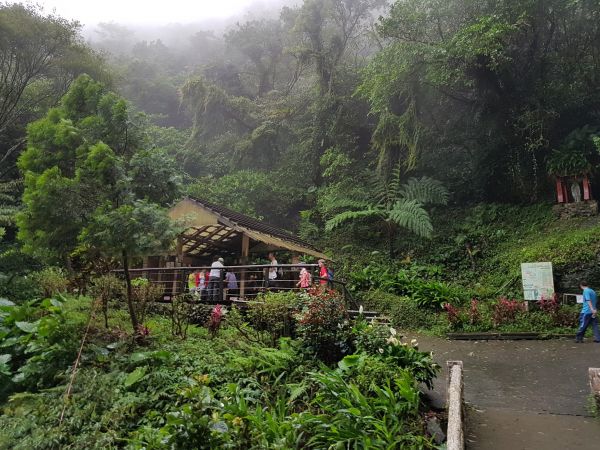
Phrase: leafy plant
pixel 409 282
pixel 180 311
pixel 505 311
pixel 384 416
pixel 395 205
pixel 320 323
pixel 52 281
pixel 104 289
pixel 273 312
pixel 37 344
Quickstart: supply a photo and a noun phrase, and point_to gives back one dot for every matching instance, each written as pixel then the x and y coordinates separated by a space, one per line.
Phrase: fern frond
pixel 411 215
pixel 395 183
pixel 347 216
pixel 297 390
pixel 424 190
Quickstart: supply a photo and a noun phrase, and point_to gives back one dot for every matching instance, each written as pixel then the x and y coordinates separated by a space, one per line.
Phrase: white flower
pixel 380 351
pixel 393 331
pixel 392 340
pixel 414 343
pixel 360 310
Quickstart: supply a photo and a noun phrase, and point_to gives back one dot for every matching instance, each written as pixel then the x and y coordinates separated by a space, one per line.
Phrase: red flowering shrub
pixel 550 305
pixel 214 322
pixel 505 311
pixel 453 315
pixel 474 313
pixel 322 321
pixel 561 316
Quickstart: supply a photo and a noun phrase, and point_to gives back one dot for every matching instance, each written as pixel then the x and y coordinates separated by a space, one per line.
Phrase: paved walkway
pixel 526 395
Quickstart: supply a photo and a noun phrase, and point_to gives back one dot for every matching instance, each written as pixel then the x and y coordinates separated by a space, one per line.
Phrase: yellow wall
pixel 192 215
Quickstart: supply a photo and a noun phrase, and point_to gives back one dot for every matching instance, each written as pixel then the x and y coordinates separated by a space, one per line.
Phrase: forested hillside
pixel 292 116
pixel 420 144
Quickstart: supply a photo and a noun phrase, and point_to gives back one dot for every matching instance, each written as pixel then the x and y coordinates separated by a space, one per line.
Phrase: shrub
pixel 417 282
pixel 321 323
pixel 454 316
pixel 18 288
pixel 37 343
pixel 404 312
pixel 407 315
pixel 273 312
pixel 387 344
pixel 180 312
pixel 51 281
pixel 368 337
pixel 506 311
pixel 199 313
pixel 106 288
pixel 561 315
pixel 144 293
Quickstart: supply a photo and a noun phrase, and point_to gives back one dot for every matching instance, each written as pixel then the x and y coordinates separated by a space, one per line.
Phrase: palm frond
pixel 347 216
pixel 424 190
pixel 411 215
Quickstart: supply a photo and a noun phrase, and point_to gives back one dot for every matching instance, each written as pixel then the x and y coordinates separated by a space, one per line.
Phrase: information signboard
pixel 538 282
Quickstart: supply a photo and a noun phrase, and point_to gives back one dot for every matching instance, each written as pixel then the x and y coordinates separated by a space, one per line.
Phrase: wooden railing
pixel 250 281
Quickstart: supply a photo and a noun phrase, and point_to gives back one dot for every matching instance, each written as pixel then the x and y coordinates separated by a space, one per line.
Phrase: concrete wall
pixel 455 439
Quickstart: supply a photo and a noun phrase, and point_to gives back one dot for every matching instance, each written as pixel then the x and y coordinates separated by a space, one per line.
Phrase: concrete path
pixel 523 394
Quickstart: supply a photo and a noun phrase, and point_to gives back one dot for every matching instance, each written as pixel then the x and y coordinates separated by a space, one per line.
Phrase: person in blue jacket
pixel 589 313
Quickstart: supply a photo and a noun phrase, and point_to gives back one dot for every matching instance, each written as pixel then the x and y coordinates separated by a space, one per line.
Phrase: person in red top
pixel 323 273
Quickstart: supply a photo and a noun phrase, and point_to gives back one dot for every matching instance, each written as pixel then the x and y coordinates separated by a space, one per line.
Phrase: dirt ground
pixel 523 394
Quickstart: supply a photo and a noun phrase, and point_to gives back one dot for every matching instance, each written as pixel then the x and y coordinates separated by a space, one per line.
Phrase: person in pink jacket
pixel 305 279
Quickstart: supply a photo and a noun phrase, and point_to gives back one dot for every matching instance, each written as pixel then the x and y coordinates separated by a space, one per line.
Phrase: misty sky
pixel 145 11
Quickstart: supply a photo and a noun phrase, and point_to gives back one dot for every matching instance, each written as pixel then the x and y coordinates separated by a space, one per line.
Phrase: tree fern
pixel 424 190
pixel 396 204
pixel 350 216
pixel 411 215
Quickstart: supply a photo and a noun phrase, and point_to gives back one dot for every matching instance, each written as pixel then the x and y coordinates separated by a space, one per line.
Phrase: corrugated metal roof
pixel 259 230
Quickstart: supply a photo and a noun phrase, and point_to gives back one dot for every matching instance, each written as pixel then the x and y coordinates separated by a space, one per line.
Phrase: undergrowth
pixel 220 391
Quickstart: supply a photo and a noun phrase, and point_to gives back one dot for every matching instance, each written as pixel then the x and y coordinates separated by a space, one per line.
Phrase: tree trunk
pixel 390 232
pixel 69 267
pixel 132 315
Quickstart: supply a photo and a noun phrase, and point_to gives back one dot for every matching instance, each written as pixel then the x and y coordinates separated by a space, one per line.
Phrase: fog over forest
pixel 419 151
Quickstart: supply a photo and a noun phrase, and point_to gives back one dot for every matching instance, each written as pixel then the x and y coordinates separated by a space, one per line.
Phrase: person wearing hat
pixel 214 279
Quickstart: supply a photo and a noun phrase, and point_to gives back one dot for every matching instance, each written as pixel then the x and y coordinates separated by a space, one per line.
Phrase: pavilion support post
pixel 178 263
pixel 244 261
pixel 146 264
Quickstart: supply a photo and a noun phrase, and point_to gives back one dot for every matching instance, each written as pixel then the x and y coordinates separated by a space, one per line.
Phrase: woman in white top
pixel 214 279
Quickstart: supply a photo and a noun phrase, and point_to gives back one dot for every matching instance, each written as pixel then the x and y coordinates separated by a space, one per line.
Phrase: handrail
pixel 179 281
pixel 248 266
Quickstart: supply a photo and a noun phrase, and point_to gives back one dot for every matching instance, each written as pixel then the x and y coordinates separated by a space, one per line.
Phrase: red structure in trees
pixel 571 189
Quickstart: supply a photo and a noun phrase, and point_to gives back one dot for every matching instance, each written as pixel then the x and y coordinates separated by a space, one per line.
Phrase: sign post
pixel 538 282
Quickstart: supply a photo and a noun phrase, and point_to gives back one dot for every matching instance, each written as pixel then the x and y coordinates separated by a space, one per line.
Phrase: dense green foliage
pixel 224 392
pixel 381 131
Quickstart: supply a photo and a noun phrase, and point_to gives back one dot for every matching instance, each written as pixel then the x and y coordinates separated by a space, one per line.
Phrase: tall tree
pixel 492 87
pixel 89 181
pixel 39 56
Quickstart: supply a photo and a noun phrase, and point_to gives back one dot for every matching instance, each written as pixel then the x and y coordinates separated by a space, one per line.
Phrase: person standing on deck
pixel 202 283
pixel 231 284
pixel 589 314
pixel 272 270
pixel 194 283
pixel 323 272
pixel 305 279
pixel 214 283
